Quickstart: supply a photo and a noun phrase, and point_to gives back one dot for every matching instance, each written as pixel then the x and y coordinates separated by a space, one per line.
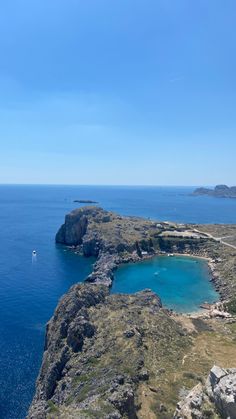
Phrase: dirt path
pixel 218 239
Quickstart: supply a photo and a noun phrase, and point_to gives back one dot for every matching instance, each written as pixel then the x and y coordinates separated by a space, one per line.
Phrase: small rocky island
pixel 220 191
pixel 85 201
pixel 118 356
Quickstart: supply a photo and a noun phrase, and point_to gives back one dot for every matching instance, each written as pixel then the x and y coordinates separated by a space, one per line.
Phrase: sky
pixel 123 92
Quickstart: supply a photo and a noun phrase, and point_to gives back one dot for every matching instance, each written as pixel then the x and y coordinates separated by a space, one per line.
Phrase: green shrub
pixel 231 306
pixel 52 408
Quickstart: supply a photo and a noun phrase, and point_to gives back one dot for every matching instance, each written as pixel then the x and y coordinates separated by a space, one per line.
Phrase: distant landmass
pixel 220 191
pixel 85 201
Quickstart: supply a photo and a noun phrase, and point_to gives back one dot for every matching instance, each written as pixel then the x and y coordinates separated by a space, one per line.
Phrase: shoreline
pixel 210 262
pixel 94 335
pixel 133 259
pixel 115 240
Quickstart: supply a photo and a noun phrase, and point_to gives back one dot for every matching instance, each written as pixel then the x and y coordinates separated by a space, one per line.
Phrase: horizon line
pixel 107 185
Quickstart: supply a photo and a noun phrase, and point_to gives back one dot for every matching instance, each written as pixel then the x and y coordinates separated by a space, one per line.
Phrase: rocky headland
pixel 113 240
pixel 125 356
pixel 220 191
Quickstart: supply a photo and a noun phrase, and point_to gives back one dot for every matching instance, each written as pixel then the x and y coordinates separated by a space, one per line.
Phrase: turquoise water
pixel 183 283
pixel 29 219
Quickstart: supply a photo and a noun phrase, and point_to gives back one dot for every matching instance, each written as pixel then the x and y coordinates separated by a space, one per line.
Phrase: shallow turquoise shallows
pixel 183 283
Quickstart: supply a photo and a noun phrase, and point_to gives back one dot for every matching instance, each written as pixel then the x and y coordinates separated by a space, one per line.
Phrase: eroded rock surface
pixel 115 239
pixel 217 398
pixel 124 356
pixel 99 349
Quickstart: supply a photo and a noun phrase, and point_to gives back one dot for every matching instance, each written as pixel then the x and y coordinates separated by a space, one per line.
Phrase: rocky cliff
pixel 124 356
pixel 114 239
pixel 216 398
pixel 94 230
pixel 99 351
pixel 220 191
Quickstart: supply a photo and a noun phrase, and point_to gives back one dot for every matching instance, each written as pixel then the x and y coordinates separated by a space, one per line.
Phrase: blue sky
pixel 118 92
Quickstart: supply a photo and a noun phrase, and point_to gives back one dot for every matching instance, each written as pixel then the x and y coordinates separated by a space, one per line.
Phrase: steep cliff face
pixel 114 239
pixel 65 335
pixel 100 350
pixel 124 356
pixel 97 230
pixel 73 230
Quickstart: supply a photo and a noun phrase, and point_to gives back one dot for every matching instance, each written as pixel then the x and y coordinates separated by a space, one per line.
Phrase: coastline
pixel 119 369
pixel 204 307
pixel 114 240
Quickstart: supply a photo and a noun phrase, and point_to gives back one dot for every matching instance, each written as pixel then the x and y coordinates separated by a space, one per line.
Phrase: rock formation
pixel 97 353
pixel 220 191
pixel 124 356
pixel 113 239
pixel 217 398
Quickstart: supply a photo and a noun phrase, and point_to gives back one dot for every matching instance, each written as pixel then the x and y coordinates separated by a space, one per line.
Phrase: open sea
pixel 30 288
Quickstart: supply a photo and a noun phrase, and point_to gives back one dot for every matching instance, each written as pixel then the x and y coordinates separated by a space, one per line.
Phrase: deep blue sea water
pixel 183 283
pixel 29 292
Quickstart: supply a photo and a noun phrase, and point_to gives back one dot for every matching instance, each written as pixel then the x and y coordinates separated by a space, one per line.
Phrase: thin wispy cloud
pixel 176 79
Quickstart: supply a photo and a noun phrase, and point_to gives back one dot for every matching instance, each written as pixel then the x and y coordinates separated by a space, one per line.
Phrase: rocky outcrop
pixel 123 356
pixel 216 397
pixel 95 353
pixel 103 271
pixel 94 230
pixel 65 334
pixel 72 232
pixel 113 239
pixel 221 389
pixel 220 191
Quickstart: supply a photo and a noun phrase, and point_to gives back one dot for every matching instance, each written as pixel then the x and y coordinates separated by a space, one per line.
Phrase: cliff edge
pixel 125 356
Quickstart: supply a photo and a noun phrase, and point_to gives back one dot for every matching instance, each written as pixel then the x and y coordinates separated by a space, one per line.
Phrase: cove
pixel 182 282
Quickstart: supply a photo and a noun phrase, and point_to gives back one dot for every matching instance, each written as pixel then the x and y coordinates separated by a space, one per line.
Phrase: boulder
pixel 219 392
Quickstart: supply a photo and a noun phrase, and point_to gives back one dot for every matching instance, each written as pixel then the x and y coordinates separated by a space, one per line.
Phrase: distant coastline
pixel 220 191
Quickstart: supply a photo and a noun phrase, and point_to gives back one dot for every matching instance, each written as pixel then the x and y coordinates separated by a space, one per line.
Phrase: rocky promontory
pixel 220 191
pixel 114 239
pixel 124 356
pixel 99 353
pixel 118 356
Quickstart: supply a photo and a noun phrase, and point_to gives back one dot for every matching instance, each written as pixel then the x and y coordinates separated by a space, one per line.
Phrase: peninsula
pixel 220 191
pixel 118 356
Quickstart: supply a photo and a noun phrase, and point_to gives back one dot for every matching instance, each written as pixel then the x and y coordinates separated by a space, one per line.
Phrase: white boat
pixel 34 253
